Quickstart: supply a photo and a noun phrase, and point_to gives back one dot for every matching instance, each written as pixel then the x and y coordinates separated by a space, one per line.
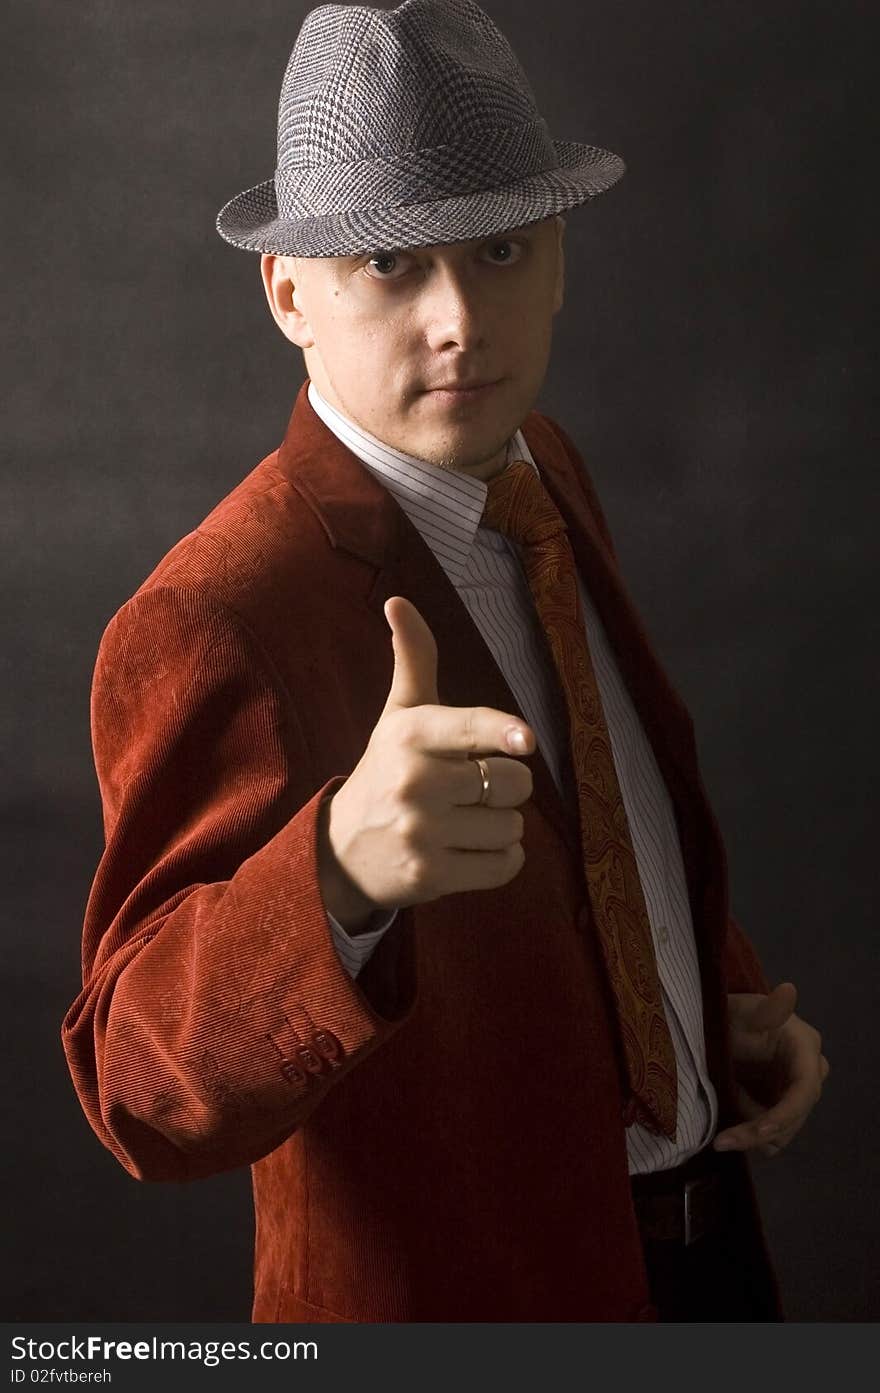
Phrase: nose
pixel 452 312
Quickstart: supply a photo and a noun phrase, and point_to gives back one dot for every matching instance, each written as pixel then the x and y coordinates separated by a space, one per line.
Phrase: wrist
pixel 341 896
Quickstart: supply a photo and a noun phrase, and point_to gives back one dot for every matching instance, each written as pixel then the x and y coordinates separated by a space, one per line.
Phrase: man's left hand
pixel 779 1069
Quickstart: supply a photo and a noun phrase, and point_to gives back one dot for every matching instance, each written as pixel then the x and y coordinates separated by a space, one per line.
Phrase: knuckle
pixel 415 874
pixel 519 825
pixel 469 733
pixel 517 856
pixel 409 785
pixel 409 826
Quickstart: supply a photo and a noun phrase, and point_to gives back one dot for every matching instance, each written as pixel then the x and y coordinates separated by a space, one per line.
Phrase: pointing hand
pixel 406 826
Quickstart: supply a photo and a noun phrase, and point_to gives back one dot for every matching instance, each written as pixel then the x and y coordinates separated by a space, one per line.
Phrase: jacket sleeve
pixel 215 1012
pixel 742 966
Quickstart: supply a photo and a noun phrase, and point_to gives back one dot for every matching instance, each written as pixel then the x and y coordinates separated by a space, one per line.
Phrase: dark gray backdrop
pixel 710 363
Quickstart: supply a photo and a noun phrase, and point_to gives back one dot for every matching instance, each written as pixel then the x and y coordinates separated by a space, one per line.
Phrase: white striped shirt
pixel 485 568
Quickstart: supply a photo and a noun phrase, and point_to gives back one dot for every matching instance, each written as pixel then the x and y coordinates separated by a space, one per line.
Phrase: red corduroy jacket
pixel 441 1139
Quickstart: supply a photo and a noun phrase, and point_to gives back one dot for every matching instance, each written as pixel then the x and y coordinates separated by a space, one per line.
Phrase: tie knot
pixel 518 505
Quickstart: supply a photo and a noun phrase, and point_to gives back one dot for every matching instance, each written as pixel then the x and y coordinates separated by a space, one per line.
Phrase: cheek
pixel 529 332
pixel 349 343
pixel 373 365
pixel 528 312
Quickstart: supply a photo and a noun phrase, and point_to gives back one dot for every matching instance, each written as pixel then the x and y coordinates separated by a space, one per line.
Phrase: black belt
pixel 682 1204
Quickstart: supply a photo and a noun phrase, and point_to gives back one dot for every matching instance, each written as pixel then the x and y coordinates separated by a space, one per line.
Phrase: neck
pixel 483 469
pixel 489 468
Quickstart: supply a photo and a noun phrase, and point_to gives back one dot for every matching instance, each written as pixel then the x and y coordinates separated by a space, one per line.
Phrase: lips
pixel 462 391
pixel 462 386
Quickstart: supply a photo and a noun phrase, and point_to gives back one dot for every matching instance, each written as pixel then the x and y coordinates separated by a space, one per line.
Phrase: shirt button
pixel 663 934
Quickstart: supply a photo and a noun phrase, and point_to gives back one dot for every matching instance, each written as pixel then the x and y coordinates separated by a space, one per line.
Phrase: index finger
pixel 792 1110
pixel 466 730
pixel 789 1113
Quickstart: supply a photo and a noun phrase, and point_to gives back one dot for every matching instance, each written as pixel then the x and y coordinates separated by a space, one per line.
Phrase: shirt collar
pixel 446 506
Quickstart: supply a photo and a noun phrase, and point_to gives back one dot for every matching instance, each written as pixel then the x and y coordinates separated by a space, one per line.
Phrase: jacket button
pixel 327 1045
pixel 290 1072
pixel 309 1059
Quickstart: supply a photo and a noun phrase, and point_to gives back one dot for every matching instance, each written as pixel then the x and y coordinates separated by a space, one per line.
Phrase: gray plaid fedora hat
pixel 407 127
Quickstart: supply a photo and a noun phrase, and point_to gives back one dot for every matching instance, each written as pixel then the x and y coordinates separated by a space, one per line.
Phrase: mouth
pixel 456 393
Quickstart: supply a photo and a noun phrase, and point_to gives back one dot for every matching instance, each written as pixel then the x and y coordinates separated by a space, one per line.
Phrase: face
pixel 388 336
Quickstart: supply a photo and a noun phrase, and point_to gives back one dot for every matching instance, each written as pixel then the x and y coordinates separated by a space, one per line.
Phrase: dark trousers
pixel 724 1275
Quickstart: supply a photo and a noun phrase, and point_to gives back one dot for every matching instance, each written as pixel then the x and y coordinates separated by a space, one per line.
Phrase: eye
pixel 505 249
pixel 386 264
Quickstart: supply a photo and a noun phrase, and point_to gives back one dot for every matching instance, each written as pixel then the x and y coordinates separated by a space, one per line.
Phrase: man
pixel 432 934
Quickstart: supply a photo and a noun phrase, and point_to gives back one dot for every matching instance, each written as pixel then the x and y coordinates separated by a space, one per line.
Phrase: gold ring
pixel 484 775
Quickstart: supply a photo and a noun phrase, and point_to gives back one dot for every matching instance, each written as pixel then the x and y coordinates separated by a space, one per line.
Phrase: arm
pixel 215 1012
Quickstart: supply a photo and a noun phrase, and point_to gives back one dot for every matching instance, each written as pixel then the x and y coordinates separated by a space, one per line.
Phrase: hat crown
pixel 364 84
pixel 407 127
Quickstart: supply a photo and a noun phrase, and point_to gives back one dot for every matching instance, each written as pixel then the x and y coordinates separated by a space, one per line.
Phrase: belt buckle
pixel 693 1228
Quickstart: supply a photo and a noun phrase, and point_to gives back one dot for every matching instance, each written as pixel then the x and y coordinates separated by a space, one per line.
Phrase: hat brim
pixel 250 220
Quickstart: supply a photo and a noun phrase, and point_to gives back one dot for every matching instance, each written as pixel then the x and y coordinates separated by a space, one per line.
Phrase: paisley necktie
pixel 518 505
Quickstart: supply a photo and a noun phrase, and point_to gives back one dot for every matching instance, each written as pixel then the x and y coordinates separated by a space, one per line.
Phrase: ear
pixel 559 289
pixel 284 294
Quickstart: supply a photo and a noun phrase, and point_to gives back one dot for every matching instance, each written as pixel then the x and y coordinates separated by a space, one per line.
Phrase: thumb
pixel 414 682
pixel 772 1011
